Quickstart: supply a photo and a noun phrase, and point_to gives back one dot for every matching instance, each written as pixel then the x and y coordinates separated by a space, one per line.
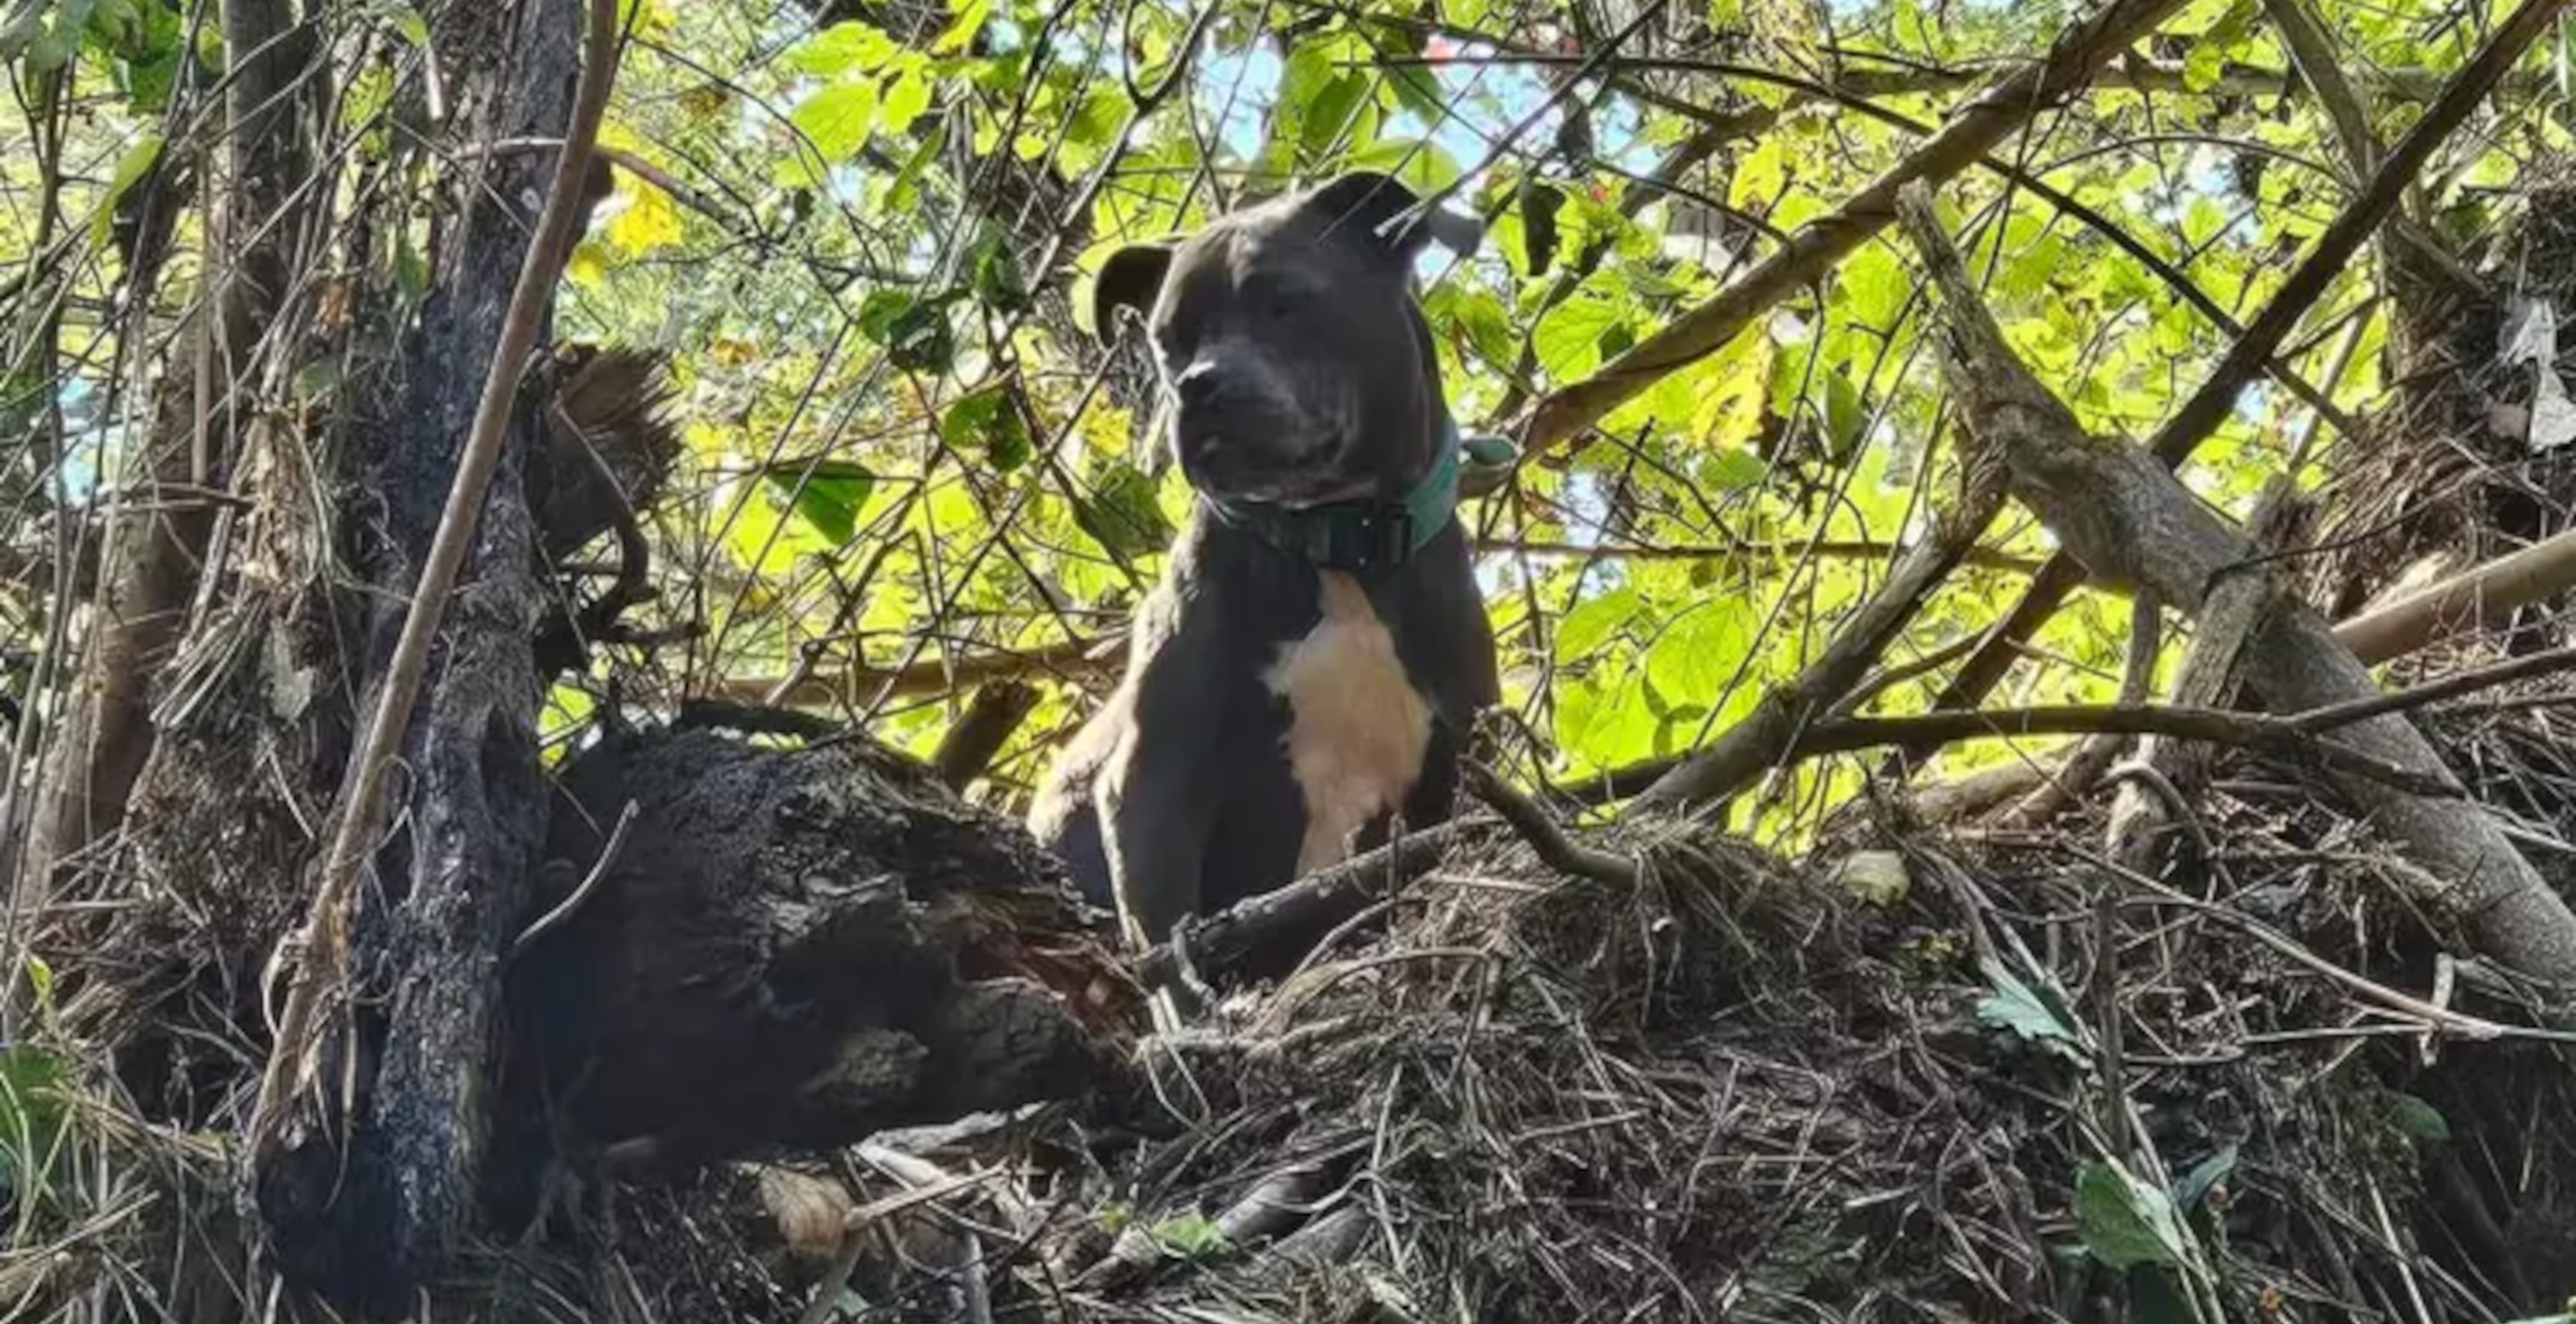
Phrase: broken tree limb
pixel 2100 750
pixel 2324 263
pixel 2468 601
pixel 2474 599
pixel 2004 107
pixel 795 948
pixel 990 719
pixel 1256 933
pixel 2121 512
pixel 2237 606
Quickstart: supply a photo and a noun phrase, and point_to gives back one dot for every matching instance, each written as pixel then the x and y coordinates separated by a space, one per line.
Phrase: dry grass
pixel 1738 1090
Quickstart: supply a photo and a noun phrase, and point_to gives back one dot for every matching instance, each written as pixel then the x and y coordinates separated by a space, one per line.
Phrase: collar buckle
pixel 1370 538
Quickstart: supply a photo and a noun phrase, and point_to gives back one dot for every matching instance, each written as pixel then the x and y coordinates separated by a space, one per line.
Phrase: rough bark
pixel 793 949
pixel 166 517
pixel 368 1202
pixel 2118 510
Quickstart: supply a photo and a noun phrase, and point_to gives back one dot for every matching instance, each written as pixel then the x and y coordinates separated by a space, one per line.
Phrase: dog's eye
pixel 1279 301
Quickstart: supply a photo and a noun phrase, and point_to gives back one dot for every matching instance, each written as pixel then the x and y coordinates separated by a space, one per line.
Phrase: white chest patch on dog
pixel 1357 728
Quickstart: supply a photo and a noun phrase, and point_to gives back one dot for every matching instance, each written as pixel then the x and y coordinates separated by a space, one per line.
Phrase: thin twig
pixel 571 905
pixel 2279 735
pixel 2005 106
pixel 2461 1024
pixel 1557 850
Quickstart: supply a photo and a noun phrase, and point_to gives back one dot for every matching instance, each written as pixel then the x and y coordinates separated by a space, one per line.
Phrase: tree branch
pixel 2327 260
pixel 1984 122
pixel 2122 512
pixel 2285 737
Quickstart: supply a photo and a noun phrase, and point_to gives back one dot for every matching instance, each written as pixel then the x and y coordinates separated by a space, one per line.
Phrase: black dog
pixel 1317 650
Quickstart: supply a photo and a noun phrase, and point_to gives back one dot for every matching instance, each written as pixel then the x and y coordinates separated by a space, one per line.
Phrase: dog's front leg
pixel 1157 796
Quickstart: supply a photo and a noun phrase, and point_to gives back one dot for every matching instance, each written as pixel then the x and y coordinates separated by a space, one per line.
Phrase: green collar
pixel 1363 536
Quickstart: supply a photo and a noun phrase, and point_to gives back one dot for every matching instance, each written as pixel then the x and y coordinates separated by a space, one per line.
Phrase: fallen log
pixel 792 949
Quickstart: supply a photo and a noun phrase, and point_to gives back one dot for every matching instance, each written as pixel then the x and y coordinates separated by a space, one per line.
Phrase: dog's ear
pixel 1131 278
pixel 1381 207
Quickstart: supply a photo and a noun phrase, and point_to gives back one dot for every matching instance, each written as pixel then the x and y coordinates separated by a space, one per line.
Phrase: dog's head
pixel 1288 334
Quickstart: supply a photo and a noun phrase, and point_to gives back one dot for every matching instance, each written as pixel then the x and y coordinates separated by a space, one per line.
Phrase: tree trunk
pixel 368 1202
pixel 167 515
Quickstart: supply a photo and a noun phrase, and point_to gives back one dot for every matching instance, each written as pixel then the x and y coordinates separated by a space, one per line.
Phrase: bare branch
pixel 2327 260
pixel 2123 513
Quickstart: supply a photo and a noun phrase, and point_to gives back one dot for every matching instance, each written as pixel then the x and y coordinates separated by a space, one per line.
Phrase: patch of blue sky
pixel 88 432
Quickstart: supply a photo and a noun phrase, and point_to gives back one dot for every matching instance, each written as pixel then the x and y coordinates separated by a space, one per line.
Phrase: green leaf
pixel 2416 1118
pixel 995 274
pixel 1593 621
pixel 32 1118
pixel 1760 177
pixel 1606 721
pixel 879 311
pixel 989 423
pixel 1845 413
pixel 315 382
pixel 1122 513
pixel 1421 164
pixel 1190 1237
pixel 409 24
pixel 1452 304
pixel 827 495
pixel 1333 110
pixel 839 118
pixel 411 269
pixel 2196 1184
pixel 904 194
pixel 2021 1008
pixel 906 96
pixel 1416 90
pixel 45 43
pixel 130 170
pixel 148 43
pixel 921 340
pixel 2224 41
pixel 915 331
pixel 1875 285
pixel 23 25
pixel 2126 1222
pixel 1699 652
pixel 848 47
pixel 2156 1296
pixel 1568 339
pixel 972 15
pixel 2203 221
pixel 1733 469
